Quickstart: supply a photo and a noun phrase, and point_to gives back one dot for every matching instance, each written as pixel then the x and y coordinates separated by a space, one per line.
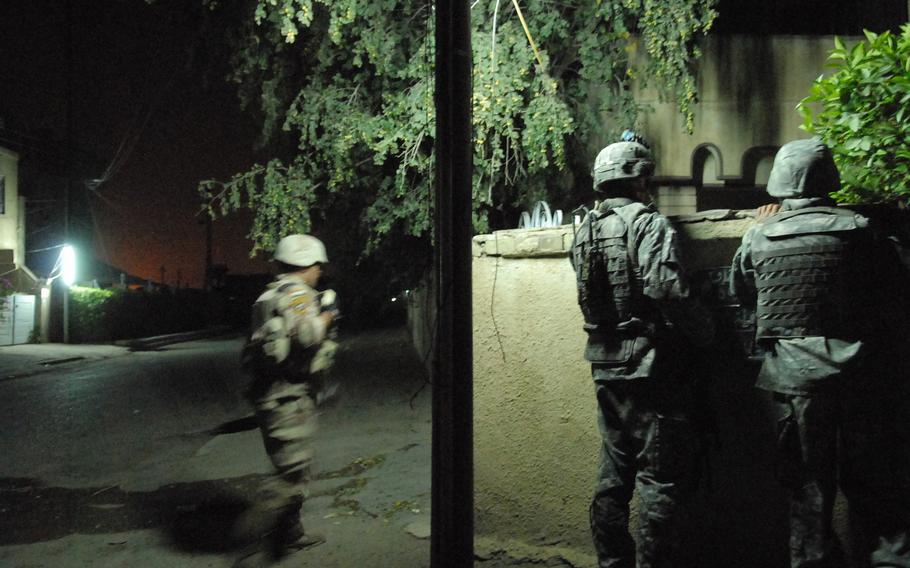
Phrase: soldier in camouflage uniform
pixel 819 279
pixel 287 349
pixel 635 299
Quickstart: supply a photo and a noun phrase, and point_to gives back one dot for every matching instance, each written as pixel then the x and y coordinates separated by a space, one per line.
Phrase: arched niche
pixel 756 165
pixel 707 165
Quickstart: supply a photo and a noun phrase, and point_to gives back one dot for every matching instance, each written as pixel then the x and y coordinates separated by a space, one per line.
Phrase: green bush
pixel 862 111
pixel 104 315
pixel 88 314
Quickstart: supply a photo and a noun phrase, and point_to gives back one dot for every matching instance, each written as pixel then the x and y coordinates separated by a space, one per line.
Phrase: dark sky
pixel 132 87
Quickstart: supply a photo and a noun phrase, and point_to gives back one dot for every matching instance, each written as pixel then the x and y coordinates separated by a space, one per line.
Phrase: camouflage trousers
pixel 649 443
pixel 287 420
pixel 847 433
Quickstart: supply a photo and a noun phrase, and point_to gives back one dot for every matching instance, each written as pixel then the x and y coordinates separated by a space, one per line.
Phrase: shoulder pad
pixel 812 220
pixel 629 213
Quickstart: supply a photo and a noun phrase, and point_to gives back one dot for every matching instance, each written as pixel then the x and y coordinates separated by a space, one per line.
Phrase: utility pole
pixel 207 275
pixel 452 541
pixel 68 59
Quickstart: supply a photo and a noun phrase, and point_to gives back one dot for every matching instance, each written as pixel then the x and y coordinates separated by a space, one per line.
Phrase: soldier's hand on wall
pixel 766 211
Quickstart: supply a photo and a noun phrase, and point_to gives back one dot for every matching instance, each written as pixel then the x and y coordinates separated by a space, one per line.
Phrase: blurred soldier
pixel 635 299
pixel 287 349
pixel 821 283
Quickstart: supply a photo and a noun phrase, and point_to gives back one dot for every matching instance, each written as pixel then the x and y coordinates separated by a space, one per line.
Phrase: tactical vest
pixel 609 288
pixel 271 349
pixel 809 274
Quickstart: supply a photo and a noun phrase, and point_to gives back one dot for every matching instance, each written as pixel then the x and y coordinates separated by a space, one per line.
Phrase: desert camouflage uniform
pixel 285 408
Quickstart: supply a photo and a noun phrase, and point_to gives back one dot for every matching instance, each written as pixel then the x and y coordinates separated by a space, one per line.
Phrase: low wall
pixel 536 442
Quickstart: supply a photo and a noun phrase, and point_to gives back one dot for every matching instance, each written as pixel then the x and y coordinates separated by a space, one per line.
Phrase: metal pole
pixel 207 275
pixel 452 543
pixel 68 58
pixel 66 314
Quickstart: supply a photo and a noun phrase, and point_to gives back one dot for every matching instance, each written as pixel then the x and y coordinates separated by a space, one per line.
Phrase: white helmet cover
pixel 300 250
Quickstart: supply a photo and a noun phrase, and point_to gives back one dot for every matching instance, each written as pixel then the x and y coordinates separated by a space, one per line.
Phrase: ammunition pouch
pixel 619 345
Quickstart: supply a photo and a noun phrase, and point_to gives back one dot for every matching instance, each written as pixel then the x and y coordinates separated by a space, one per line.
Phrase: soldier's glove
pixel 328 302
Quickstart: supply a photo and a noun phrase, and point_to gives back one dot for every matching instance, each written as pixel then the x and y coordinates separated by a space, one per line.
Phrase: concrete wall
pixel 536 443
pixel 748 91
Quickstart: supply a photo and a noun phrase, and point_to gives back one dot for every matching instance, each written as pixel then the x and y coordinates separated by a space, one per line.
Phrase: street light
pixel 68 265
pixel 68 274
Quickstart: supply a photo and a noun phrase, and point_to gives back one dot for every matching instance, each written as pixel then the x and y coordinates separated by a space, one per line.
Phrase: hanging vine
pixel 350 82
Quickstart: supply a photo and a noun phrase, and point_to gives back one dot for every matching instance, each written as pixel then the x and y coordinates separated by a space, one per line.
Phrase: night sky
pixel 134 87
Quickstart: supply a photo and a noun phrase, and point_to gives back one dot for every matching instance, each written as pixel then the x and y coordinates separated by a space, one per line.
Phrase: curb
pixel 152 343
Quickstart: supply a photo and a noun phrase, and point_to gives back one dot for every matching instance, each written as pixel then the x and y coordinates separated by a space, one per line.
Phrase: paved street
pixel 145 458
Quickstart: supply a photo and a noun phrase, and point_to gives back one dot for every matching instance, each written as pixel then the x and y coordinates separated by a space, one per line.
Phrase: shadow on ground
pixel 198 516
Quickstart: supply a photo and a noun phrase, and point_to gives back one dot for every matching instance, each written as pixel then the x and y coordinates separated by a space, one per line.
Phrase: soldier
pixel 821 283
pixel 635 299
pixel 286 350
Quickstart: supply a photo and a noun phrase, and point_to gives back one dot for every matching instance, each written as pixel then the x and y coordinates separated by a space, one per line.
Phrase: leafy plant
pixel 344 89
pixel 6 290
pixel 862 111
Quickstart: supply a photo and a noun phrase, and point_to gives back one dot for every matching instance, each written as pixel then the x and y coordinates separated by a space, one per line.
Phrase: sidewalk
pixel 27 359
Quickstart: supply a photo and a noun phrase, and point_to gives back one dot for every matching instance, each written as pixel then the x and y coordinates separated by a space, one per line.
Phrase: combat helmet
pixel 803 168
pixel 300 250
pixel 628 159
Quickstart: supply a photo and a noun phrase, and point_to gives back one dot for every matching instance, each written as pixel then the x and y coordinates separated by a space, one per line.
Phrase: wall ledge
pixel 556 241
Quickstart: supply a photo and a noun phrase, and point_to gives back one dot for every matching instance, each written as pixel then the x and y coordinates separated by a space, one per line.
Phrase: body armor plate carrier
pixel 609 288
pixel 809 274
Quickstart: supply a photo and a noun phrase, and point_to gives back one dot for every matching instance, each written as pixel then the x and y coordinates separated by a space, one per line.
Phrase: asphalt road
pixel 146 459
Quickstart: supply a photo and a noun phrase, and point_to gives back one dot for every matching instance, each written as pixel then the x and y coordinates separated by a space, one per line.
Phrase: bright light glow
pixel 45 293
pixel 394 299
pixel 68 265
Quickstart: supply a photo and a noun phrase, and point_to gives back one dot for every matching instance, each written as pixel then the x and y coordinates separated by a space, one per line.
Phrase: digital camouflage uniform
pixel 819 278
pixel 631 285
pixel 285 317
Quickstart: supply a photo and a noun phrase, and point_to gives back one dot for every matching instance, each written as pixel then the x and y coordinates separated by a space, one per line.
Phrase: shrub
pixel 105 315
pixel 862 111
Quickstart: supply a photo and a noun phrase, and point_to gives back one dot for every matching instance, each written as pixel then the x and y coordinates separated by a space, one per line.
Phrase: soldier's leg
pixel 666 479
pixel 807 468
pixel 609 512
pixel 873 474
pixel 287 420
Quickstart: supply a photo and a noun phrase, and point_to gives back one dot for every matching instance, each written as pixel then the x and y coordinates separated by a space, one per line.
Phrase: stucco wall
pixel 536 443
pixel 748 91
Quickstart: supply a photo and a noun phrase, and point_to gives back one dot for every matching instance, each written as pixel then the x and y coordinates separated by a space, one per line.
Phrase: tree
pixel 860 111
pixel 348 86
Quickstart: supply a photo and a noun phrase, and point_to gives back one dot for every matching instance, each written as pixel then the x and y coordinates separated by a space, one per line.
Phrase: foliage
pixel 345 92
pixel 87 321
pixel 99 315
pixel 862 111
pixel 6 287
pixel 6 290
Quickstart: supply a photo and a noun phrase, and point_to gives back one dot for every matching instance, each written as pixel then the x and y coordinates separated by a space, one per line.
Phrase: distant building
pixel 12 226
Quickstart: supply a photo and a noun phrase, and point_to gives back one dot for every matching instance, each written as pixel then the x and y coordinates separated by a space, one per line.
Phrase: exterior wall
pixel 10 236
pixel 748 91
pixel 535 437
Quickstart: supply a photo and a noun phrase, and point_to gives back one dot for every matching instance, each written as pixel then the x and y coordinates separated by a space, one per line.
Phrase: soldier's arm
pixel 665 280
pixel 305 320
pixel 656 245
pixel 742 272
